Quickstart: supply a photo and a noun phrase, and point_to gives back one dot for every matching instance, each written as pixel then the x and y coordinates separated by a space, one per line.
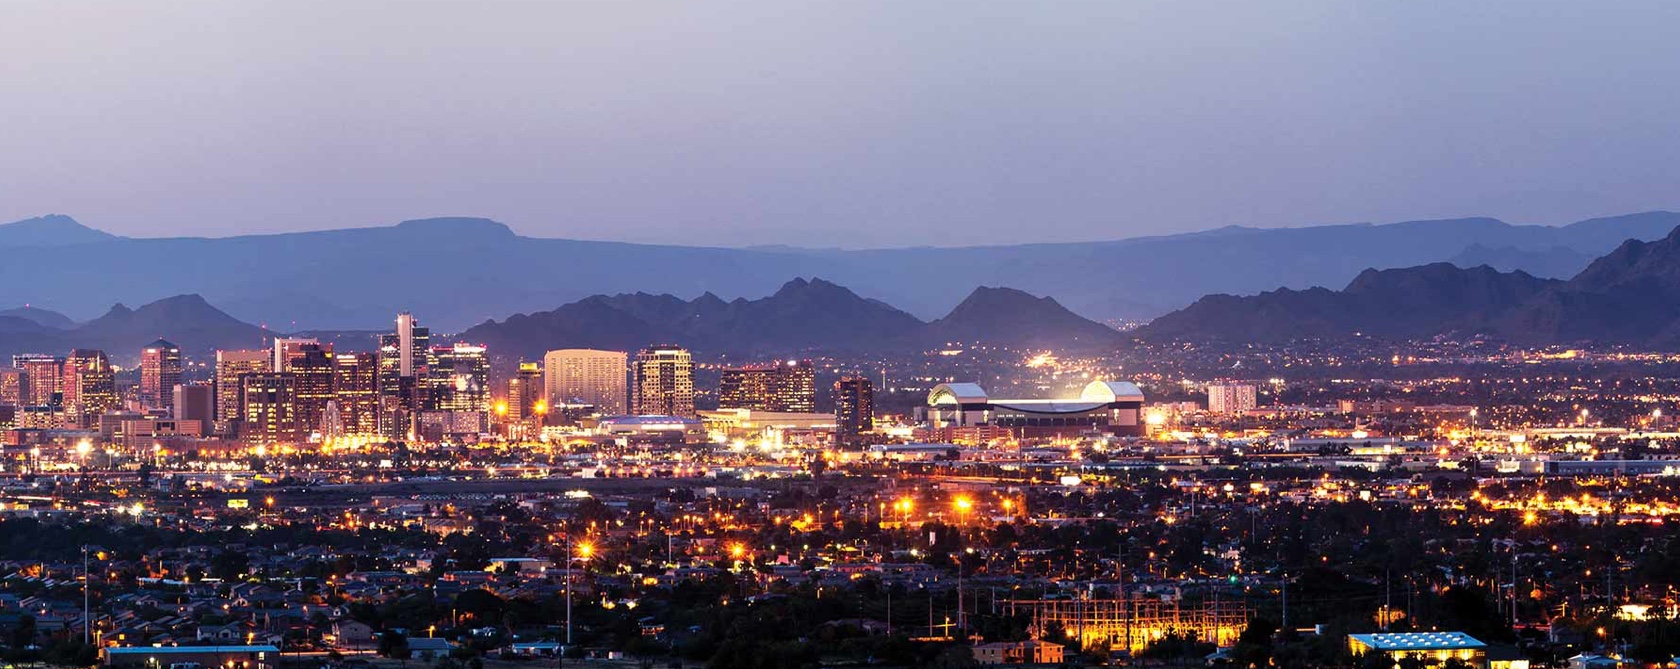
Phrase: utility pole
pixel 1285 603
pixel 960 609
pixel 1125 601
pixel 87 579
pixel 569 577
pixel 1388 602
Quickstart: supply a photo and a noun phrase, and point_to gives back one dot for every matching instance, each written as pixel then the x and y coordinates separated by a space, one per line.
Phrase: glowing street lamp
pixel 963 505
pixel 584 551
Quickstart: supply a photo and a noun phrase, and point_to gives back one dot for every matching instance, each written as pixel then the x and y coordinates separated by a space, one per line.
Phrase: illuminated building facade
pixel 160 372
pixel 230 367
pixel 44 378
pixel 356 392
pixel 270 412
pixel 314 370
pixel 1112 407
pixel 402 372
pixel 587 376
pixel 90 384
pixel 788 387
pixel 1231 398
pixel 524 391
pixel 286 348
pixel 854 410
pixel 663 382
pixel 14 387
pixel 458 378
pixel 1425 649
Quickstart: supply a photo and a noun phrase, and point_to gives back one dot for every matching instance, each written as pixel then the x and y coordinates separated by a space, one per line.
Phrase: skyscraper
pixel 230 366
pixel 524 390
pixel 402 369
pixel 664 382
pixel 313 369
pixel 90 384
pixel 46 380
pixel 193 401
pixel 269 413
pixel 356 389
pixel 854 409
pixel 786 387
pixel 160 372
pixel 284 348
pixel 458 378
pixel 14 387
pixel 586 376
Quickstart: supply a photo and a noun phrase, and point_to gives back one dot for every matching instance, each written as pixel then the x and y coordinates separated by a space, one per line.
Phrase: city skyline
pixel 756 334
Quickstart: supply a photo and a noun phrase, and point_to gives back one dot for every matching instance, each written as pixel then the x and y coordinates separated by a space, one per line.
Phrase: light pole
pixel 87 577
pixel 584 550
pixel 963 504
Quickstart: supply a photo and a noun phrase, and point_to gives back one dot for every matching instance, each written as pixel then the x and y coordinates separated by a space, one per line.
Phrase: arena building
pixel 1110 407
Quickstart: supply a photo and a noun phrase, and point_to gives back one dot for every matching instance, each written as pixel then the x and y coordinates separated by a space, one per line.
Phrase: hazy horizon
pixel 850 125
pixel 515 229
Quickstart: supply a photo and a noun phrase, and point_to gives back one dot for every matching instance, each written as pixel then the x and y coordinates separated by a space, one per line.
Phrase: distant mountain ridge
pixel 802 315
pixel 460 271
pixel 39 316
pixel 188 320
pixel 1630 295
pixel 50 231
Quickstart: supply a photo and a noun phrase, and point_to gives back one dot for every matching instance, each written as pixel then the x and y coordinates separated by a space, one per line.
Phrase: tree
pixel 394 645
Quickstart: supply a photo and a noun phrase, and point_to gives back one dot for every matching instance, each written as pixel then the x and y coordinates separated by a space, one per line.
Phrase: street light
pixel 963 504
pixel 584 551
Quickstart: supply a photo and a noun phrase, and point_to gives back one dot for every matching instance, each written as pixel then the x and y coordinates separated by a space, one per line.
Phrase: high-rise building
pixel 193 401
pixel 586 376
pixel 1228 398
pixel 230 366
pixel 269 413
pixel 854 410
pixel 46 378
pixel 356 390
pixel 14 387
pixel 458 378
pixel 663 382
pixel 524 391
pixel 314 369
pixel 402 372
pixel 90 384
pixel 285 348
pixel 160 372
pixel 786 387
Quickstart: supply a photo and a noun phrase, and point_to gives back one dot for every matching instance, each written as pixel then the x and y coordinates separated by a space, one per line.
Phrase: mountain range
pixel 459 271
pixel 802 316
pixel 1630 295
pixel 186 320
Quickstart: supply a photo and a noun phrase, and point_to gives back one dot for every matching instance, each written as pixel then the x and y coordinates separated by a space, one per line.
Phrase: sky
pixel 852 123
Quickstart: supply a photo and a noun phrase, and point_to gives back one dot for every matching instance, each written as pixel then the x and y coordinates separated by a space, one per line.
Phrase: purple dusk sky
pixel 851 123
